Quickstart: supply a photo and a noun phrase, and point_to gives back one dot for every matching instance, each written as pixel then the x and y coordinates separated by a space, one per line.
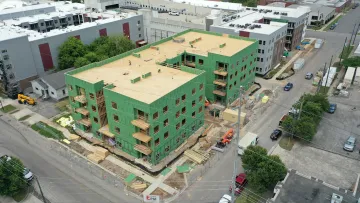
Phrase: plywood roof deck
pixel 121 72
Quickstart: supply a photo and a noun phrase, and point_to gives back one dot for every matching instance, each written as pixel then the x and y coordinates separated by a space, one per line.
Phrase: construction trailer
pixel 148 101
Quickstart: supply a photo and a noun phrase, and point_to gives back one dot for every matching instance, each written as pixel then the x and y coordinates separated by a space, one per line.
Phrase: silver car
pixel 350 144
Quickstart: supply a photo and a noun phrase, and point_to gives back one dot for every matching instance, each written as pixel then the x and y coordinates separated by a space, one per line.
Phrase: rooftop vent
pixel 179 40
pixel 135 80
pixel 232 25
pixel 335 198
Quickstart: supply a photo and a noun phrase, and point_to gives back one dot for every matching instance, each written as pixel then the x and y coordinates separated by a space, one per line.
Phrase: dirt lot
pixel 176 180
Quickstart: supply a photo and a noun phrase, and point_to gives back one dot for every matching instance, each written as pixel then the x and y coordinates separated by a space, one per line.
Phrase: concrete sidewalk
pixel 330 22
pixel 29 199
pixel 287 65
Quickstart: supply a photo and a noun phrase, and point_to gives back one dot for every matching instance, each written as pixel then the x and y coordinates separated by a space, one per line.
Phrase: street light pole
pixel 342 52
pixel 357 30
pixel 236 162
pixel 42 194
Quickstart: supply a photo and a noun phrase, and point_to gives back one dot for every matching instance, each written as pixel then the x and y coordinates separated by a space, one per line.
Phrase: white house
pixel 52 85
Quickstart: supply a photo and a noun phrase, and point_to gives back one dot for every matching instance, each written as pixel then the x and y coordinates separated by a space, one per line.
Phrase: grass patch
pixel 61 105
pixel 47 131
pixel 17 110
pixel 338 66
pixel 24 117
pixel 287 143
pixel 346 52
pixel 8 108
pixel 333 22
pixel 324 89
pixel 248 197
pixel 21 195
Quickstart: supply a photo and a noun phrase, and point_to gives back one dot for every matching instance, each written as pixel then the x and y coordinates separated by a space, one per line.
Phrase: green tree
pixel 11 177
pixel 305 128
pixel 92 57
pixel 80 62
pixel 69 51
pixel 263 171
pixel 269 172
pixel 120 44
pixel 313 110
pixel 316 98
pixel 252 156
pixel 352 61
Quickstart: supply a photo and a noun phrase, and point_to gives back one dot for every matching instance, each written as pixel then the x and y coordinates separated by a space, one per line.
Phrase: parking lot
pixel 334 129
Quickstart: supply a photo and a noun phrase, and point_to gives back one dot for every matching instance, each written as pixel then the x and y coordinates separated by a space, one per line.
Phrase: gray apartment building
pixel 27 54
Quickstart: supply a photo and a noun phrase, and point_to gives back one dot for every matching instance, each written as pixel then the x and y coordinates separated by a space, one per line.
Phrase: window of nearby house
pixel 201 86
pixel 156 129
pixel 157 157
pixel 72 99
pixel 177 102
pixel 93 108
pixel 200 98
pixel 139 29
pixel 264 42
pixel 139 35
pixel 51 92
pixel 200 109
pixel 236 73
pixel 235 83
pixel 183 135
pixel 183 97
pixel 96 120
pixel 116 118
pixel 258 58
pixel 178 140
pixel 117 130
pixel 36 88
pixel 155 115
pixel 165 109
pixel 183 110
pixel 114 105
pixel 63 91
pixel 157 142
pixel 167 148
pixel 138 22
pixel 70 87
pixel 201 61
pixel 193 103
pixel 183 122
pixel 166 135
pixel 193 114
pixel 92 96
pixel 166 122
pixel 260 41
pixel 177 126
pixel 193 91
pixel 230 87
pixel 177 114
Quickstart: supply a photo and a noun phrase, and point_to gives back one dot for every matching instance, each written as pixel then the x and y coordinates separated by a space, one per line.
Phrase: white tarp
pixel 318 43
pixel 329 76
pixel 349 75
pixel 299 64
pixel 357 51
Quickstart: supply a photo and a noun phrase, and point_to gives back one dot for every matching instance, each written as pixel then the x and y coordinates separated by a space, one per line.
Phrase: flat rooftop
pixel 249 16
pixel 121 72
pixel 298 188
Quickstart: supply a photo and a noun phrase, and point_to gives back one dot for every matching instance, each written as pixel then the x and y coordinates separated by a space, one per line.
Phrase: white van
pixel 247 140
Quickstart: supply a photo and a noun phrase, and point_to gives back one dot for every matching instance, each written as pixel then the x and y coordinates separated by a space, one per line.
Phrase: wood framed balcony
pixel 220 82
pixel 85 122
pixel 142 137
pixel 82 111
pixel 140 124
pixel 142 149
pixel 81 99
pixel 105 131
pixel 219 92
pixel 221 72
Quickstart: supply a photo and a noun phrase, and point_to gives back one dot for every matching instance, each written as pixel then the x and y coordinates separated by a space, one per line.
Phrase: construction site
pixel 147 105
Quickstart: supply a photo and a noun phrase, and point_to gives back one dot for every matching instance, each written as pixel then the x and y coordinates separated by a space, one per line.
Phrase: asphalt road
pixel 217 179
pixel 347 22
pixel 61 180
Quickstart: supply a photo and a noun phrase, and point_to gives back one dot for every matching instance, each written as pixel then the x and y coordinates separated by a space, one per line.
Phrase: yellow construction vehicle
pixel 23 99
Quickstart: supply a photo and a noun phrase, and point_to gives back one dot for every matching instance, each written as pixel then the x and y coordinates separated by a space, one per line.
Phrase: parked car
pixel 28 175
pixel 332 108
pixel 288 86
pixel 275 134
pixel 350 144
pixel 225 199
pixel 308 76
pixel 174 13
pixel 240 183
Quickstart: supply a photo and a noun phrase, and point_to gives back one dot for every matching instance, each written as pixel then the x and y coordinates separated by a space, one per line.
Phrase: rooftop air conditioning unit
pixel 335 198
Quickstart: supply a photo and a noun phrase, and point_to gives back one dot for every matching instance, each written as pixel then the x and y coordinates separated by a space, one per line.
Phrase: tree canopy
pixel 263 171
pixel 73 53
pixel 11 177
pixel 352 61
pixel 250 3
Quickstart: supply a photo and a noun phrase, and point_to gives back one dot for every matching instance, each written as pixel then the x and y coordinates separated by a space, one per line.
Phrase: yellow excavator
pixel 23 99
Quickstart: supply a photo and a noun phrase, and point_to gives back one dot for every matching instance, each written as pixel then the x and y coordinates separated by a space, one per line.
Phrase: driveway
pixel 329 167
pixel 335 128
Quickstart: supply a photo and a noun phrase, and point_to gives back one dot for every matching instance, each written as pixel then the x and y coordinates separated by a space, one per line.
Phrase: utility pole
pixel 236 161
pixel 319 84
pixel 342 52
pixel 352 34
pixel 42 194
pixel 357 30
pixel 328 72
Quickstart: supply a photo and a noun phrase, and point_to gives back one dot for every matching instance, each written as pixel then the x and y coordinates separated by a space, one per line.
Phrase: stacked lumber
pixel 74 137
pixel 95 158
pixel 197 156
pixel 101 152
pixel 138 186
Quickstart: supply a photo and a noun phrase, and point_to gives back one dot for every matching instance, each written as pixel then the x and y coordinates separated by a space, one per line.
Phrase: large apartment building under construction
pixel 148 101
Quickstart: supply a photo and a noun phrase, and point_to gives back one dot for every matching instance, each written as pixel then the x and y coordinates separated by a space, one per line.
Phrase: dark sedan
pixel 276 134
pixel 288 86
